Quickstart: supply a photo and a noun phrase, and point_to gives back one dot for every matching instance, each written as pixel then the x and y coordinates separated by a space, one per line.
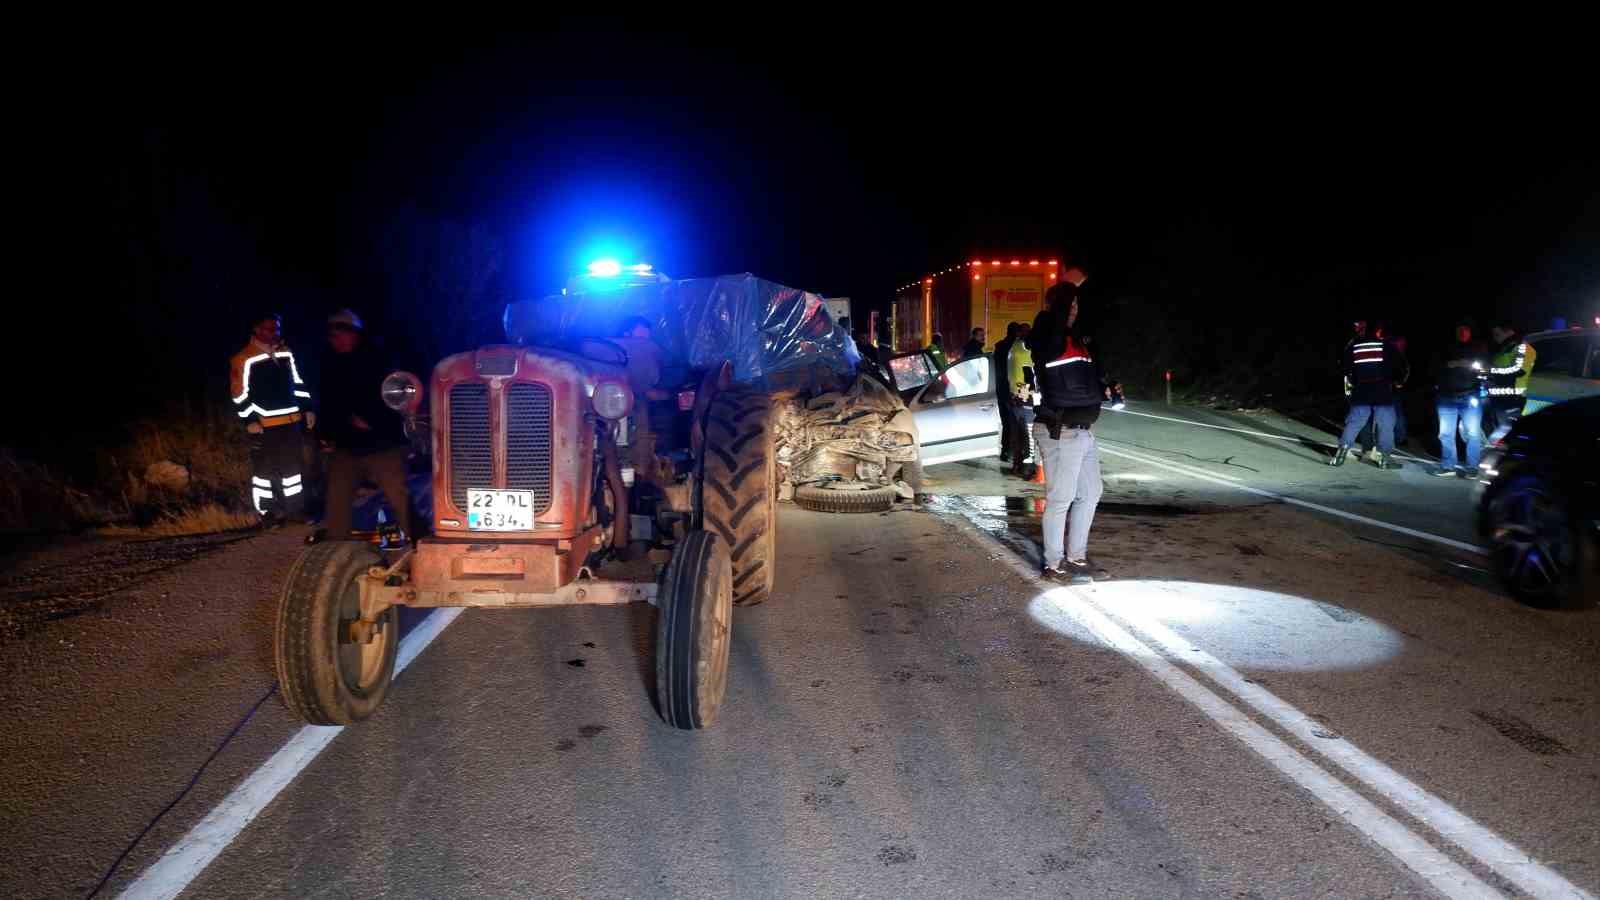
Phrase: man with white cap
pixel 365 438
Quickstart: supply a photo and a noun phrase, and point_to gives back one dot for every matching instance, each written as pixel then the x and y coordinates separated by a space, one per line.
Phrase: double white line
pixel 1233 481
pixel 1062 607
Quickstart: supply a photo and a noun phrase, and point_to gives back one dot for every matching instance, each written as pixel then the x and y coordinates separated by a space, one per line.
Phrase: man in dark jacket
pixel 974 345
pixel 1373 367
pixel 1002 349
pixel 366 438
pixel 1460 404
pixel 1072 386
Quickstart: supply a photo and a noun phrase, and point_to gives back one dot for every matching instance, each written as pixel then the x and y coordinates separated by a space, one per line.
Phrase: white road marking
pixel 1443 873
pixel 1184 467
pixel 176 868
pixel 1487 847
pixel 1267 434
pixel 1283 498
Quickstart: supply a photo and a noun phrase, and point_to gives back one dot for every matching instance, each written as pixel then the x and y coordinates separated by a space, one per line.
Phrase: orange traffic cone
pixel 1038 473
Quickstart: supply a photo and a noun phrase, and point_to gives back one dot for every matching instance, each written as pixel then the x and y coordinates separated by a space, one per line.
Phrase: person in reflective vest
pixel 1023 396
pixel 1001 361
pixel 1510 367
pixel 1373 367
pixel 935 351
pixel 271 401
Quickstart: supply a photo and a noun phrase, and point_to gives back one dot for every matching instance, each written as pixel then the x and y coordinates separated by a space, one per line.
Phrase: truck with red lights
pixel 987 292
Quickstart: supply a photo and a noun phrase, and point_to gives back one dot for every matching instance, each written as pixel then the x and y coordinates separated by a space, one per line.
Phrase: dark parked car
pixel 1539 505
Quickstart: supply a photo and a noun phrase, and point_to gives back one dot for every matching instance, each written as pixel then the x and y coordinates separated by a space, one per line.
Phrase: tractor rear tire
pixel 693 631
pixel 325 678
pixel 739 495
pixel 822 499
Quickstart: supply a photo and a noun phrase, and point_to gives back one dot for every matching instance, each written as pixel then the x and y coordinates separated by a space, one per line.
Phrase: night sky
pixel 1290 188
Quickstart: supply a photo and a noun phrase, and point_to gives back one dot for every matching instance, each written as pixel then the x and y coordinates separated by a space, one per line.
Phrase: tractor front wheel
pixel 327 673
pixel 693 631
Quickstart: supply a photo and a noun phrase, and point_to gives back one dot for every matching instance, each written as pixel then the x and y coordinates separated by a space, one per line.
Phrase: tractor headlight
pixel 612 399
pixel 402 392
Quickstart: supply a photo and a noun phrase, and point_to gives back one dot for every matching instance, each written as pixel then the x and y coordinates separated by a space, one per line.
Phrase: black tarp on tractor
pixel 774 335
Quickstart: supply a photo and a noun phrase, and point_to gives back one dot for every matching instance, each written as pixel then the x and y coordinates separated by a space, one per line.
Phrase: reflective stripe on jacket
pixel 1372 367
pixel 266 386
pixel 1510 368
pixel 1071 379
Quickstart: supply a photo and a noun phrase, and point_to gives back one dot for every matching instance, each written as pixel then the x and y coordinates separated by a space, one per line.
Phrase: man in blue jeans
pixel 1373 368
pixel 1460 405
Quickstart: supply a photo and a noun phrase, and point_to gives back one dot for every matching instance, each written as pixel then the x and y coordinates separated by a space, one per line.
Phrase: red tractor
pixel 531 508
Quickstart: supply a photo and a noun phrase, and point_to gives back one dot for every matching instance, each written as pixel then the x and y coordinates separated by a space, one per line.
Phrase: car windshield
pixel 911 371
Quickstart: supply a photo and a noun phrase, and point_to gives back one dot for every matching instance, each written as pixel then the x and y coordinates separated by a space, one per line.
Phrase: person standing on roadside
pixel 974 345
pixel 1001 366
pixel 1072 387
pixel 270 398
pixel 365 439
pixel 1509 370
pixel 1373 368
pixel 935 352
pixel 1460 404
pixel 1401 429
pixel 1024 392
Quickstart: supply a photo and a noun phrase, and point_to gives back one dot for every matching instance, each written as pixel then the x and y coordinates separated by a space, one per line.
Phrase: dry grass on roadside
pixel 208 519
pixel 212 450
pixel 184 473
pixel 33 497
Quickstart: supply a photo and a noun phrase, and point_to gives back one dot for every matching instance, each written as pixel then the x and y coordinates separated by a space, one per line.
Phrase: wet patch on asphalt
pixel 1522 734
pixel 893 855
pixel 1158 510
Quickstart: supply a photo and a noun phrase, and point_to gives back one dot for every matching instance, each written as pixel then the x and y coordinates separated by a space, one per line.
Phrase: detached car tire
pixel 739 493
pixel 325 677
pixel 1542 552
pixel 841 500
pixel 693 631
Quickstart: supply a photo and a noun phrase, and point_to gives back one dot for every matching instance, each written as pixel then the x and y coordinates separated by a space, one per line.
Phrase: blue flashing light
pixel 605 268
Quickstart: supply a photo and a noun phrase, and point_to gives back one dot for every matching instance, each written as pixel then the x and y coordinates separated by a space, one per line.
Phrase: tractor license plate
pixel 500 510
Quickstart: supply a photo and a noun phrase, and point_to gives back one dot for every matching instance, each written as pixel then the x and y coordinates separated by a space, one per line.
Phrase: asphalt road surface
pixel 1265 700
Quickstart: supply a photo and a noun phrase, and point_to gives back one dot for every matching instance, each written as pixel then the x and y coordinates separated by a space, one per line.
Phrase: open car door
pixel 956 413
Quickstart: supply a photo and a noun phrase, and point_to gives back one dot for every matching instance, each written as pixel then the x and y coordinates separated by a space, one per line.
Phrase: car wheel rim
pixel 1532 541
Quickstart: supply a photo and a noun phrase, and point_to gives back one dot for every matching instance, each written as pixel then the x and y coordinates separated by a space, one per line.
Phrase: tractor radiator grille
pixel 528 442
pixel 471 444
